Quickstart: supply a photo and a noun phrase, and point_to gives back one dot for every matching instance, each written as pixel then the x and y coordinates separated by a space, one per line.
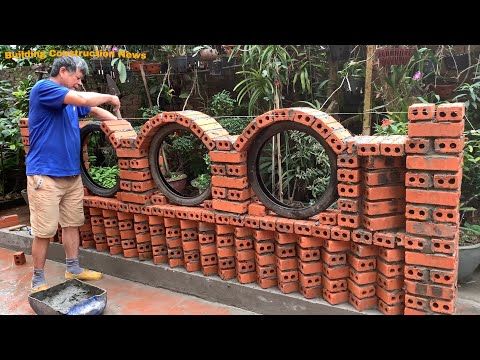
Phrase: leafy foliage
pixel 222 104
pixel 105 176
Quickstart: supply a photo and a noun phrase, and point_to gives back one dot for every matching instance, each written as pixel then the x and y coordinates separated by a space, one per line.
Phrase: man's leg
pixel 71 217
pixel 39 255
pixel 43 202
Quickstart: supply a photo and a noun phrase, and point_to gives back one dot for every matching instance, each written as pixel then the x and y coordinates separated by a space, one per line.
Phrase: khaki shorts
pixel 54 200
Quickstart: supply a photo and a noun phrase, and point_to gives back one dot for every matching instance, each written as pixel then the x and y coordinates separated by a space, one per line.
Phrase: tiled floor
pixel 124 297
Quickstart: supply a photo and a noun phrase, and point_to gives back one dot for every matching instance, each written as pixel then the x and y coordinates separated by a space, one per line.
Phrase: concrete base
pixel 245 296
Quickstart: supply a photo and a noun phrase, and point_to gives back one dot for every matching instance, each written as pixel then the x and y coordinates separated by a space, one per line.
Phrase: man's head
pixel 69 71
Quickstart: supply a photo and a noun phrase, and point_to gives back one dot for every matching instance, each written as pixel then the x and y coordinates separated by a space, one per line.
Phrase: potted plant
pixel 394 55
pixel 205 53
pixel 469 252
pixel 201 182
pixel 178 59
pixel 354 81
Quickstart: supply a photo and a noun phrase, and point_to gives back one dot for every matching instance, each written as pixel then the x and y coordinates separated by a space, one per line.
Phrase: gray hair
pixel 71 63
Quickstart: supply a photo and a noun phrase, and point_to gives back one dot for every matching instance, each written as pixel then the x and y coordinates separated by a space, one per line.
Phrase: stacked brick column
pixel 230 190
pixel 226 251
pixel 362 276
pixel 86 234
pixel 264 255
pixel 433 194
pixel 127 234
pixel 310 266
pixel 158 239
pixel 190 244
pixel 389 288
pixel 142 236
pixel 173 239
pixel 245 255
pixel 98 229
pixel 335 271
pixel 208 248
pixel 112 231
pixel 384 193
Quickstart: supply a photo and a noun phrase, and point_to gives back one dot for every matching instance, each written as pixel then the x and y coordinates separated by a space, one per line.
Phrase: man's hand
pixel 115 101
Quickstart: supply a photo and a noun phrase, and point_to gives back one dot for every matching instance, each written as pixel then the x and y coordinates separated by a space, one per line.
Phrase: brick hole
pixel 453 145
pixel 411 212
pixel 451 181
pixel 362 148
pixel 453 114
pixel 421 180
pixel 415 112
pixel 421 212
pixel 440 181
pixel 442 114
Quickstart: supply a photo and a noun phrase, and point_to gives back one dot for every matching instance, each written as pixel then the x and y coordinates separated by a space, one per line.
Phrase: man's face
pixel 71 80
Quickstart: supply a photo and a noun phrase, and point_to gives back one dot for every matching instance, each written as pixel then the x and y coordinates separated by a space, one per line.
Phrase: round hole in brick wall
pixel 453 145
pixel 441 145
pixel 421 146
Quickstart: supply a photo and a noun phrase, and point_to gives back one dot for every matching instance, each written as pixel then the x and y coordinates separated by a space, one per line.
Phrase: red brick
pixel 383 177
pixel 362 236
pixel 449 146
pixel 417 146
pixel 383 207
pixel 430 260
pixel 437 291
pixel 450 112
pixel 335 298
pixel 435 130
pixel 419 112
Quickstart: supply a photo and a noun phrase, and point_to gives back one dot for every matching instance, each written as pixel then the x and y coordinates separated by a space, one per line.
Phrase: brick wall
pixel 392 243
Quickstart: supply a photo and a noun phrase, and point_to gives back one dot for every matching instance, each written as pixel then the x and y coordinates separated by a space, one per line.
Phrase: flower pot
pixel 208 54
pixel 340 52
pixel 468 261
pixel 178 183
pixel 445 91
pixel 135 65
pixel 394 56
pixel 181 64
pixel 216 69
pixel 460 60
pixel 152 68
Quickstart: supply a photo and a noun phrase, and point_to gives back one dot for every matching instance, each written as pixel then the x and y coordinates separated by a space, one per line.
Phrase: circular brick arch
pixel 329 128
pixel 204 126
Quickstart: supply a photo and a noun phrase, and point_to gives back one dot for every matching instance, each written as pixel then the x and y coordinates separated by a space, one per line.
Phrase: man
pixel 54 184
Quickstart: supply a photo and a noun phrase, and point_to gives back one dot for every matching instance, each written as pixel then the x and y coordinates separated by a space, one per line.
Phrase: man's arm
pixel 102 114
pixel 91 99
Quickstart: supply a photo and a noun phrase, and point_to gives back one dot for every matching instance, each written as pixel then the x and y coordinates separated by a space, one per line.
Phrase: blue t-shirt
pixel 54 131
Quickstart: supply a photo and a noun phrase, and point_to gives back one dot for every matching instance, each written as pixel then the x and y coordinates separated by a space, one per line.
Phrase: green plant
pixel 106 176
pixel 469 234
pixel 11 147
pixel 148 112
pixel 400 86
pixel 201 182
pixel 306 170
pixel 469 93
pixel 234 125
pixel 222 104
pixel 471 173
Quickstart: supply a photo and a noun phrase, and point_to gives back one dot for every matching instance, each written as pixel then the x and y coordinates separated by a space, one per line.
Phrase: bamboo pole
pixel 367 103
